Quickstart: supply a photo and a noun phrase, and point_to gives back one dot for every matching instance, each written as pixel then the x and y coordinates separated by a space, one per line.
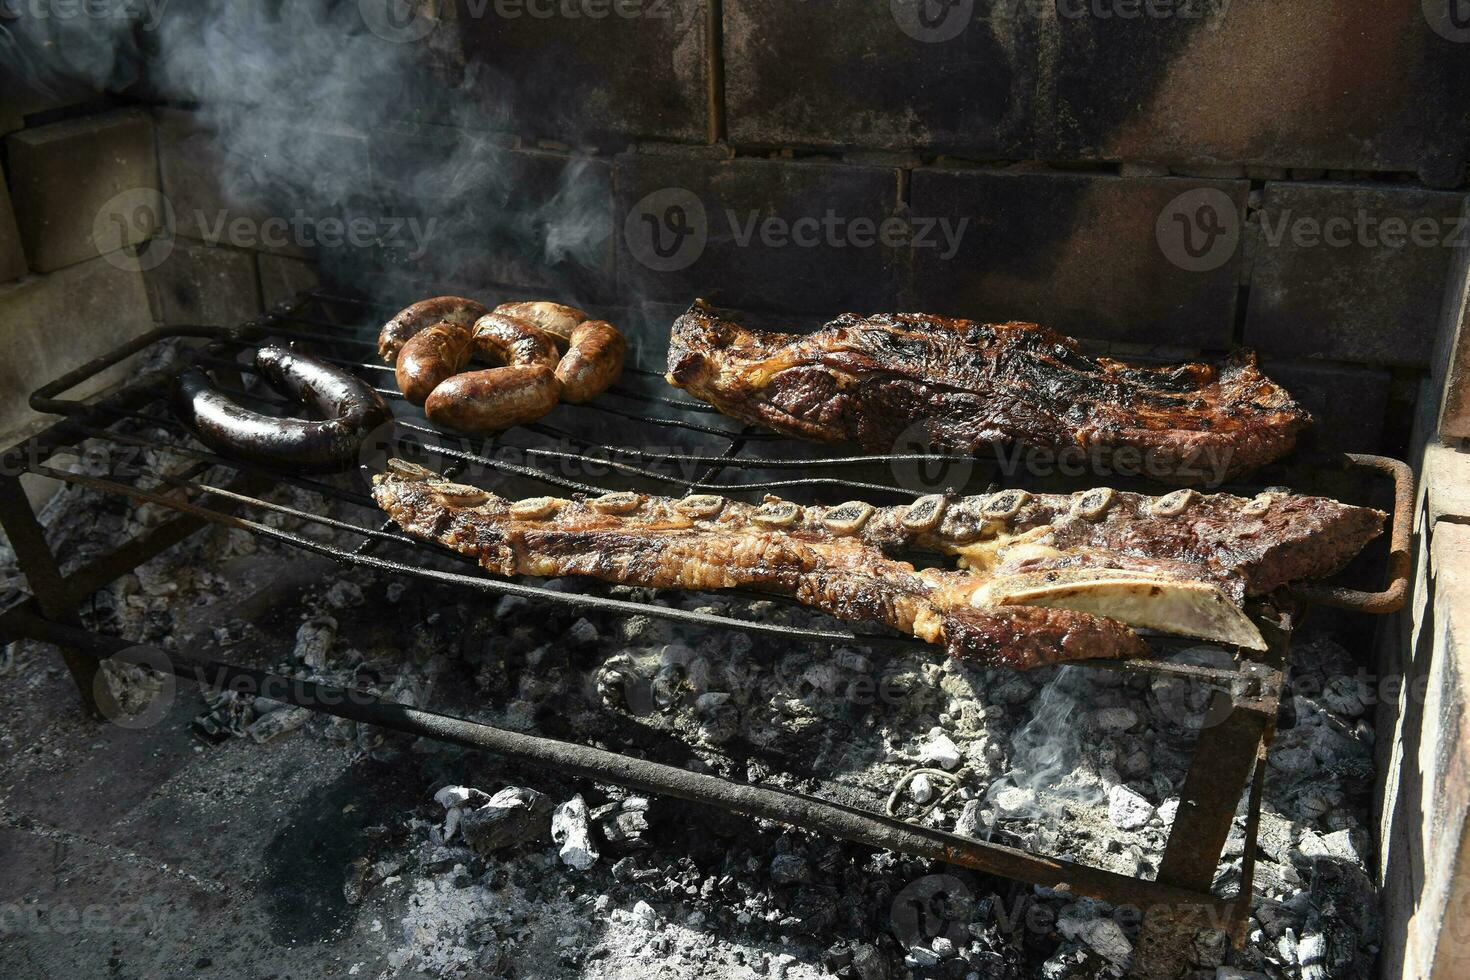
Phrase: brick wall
pixel 1163 179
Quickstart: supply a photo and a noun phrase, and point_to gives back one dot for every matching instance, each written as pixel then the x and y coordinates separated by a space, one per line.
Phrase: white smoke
pixel 291 93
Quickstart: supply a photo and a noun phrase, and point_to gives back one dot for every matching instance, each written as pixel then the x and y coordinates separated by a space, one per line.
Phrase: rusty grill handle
pixel 1401 529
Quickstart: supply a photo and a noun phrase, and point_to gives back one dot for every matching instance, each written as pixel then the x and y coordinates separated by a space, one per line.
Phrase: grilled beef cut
pixel 890 380
pixel 1042 581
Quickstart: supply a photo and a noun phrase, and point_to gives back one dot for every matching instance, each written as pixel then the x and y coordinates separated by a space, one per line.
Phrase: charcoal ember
pixel 571 830
pixel 269 727
pixel 358 881
pixel 1340 922
pixel 623 824
pixel 344 595
pixel 314 639
pixel 669 687
pixel 1082 922
pixel 719 719
pixel 1072 962
pixel 790 869
pixel 515 815
pixel 940 751
pixel 868 962
pixel 230 716
pixel 582 633
pixel 617 684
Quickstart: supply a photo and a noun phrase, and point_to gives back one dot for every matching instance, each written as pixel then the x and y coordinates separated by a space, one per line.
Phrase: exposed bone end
pixel 700 505
pixel 1094 504
pixel 1005 505
pixel 777 514
pixel 616 503
pixel 846 519
pixel 925 513
pixel 411 472
pixel 1137 598
pixel 1174 504
pixel 535 508
pixel 461 495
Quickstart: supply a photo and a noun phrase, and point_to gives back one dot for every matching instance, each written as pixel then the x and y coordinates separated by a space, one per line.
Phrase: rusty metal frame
pixel 1229 754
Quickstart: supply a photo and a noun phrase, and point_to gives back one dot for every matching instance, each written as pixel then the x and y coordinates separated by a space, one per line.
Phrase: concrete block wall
pixel 1160 180
pixel 79 195
pixel 1423 743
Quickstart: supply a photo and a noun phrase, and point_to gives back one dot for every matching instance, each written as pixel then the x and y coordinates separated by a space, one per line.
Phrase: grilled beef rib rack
pixel 1046 579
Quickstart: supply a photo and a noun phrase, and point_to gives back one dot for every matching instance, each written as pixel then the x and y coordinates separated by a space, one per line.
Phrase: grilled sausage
pixel 352 409
pixel 431 356
pixel 552 318
pixel 494 399
pixel 502 339
pixel 593 361
pixel 421 315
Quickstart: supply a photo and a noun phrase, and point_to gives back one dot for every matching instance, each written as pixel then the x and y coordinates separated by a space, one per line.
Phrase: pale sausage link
pixel 593 361
pixel 432 356
pixel 552 318
pixel 420 316
pixel 494 399
pixel 508 340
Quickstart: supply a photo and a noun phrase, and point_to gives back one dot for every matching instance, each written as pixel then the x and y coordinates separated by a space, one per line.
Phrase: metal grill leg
pixel 38 564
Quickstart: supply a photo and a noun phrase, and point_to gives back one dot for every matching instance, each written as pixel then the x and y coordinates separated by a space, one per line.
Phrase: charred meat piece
pixel 662 545
pixel 957 385
pixel 1044 579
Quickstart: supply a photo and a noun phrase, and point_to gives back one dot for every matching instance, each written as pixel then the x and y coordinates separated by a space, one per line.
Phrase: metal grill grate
pixel 634 437
pixel 672 446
